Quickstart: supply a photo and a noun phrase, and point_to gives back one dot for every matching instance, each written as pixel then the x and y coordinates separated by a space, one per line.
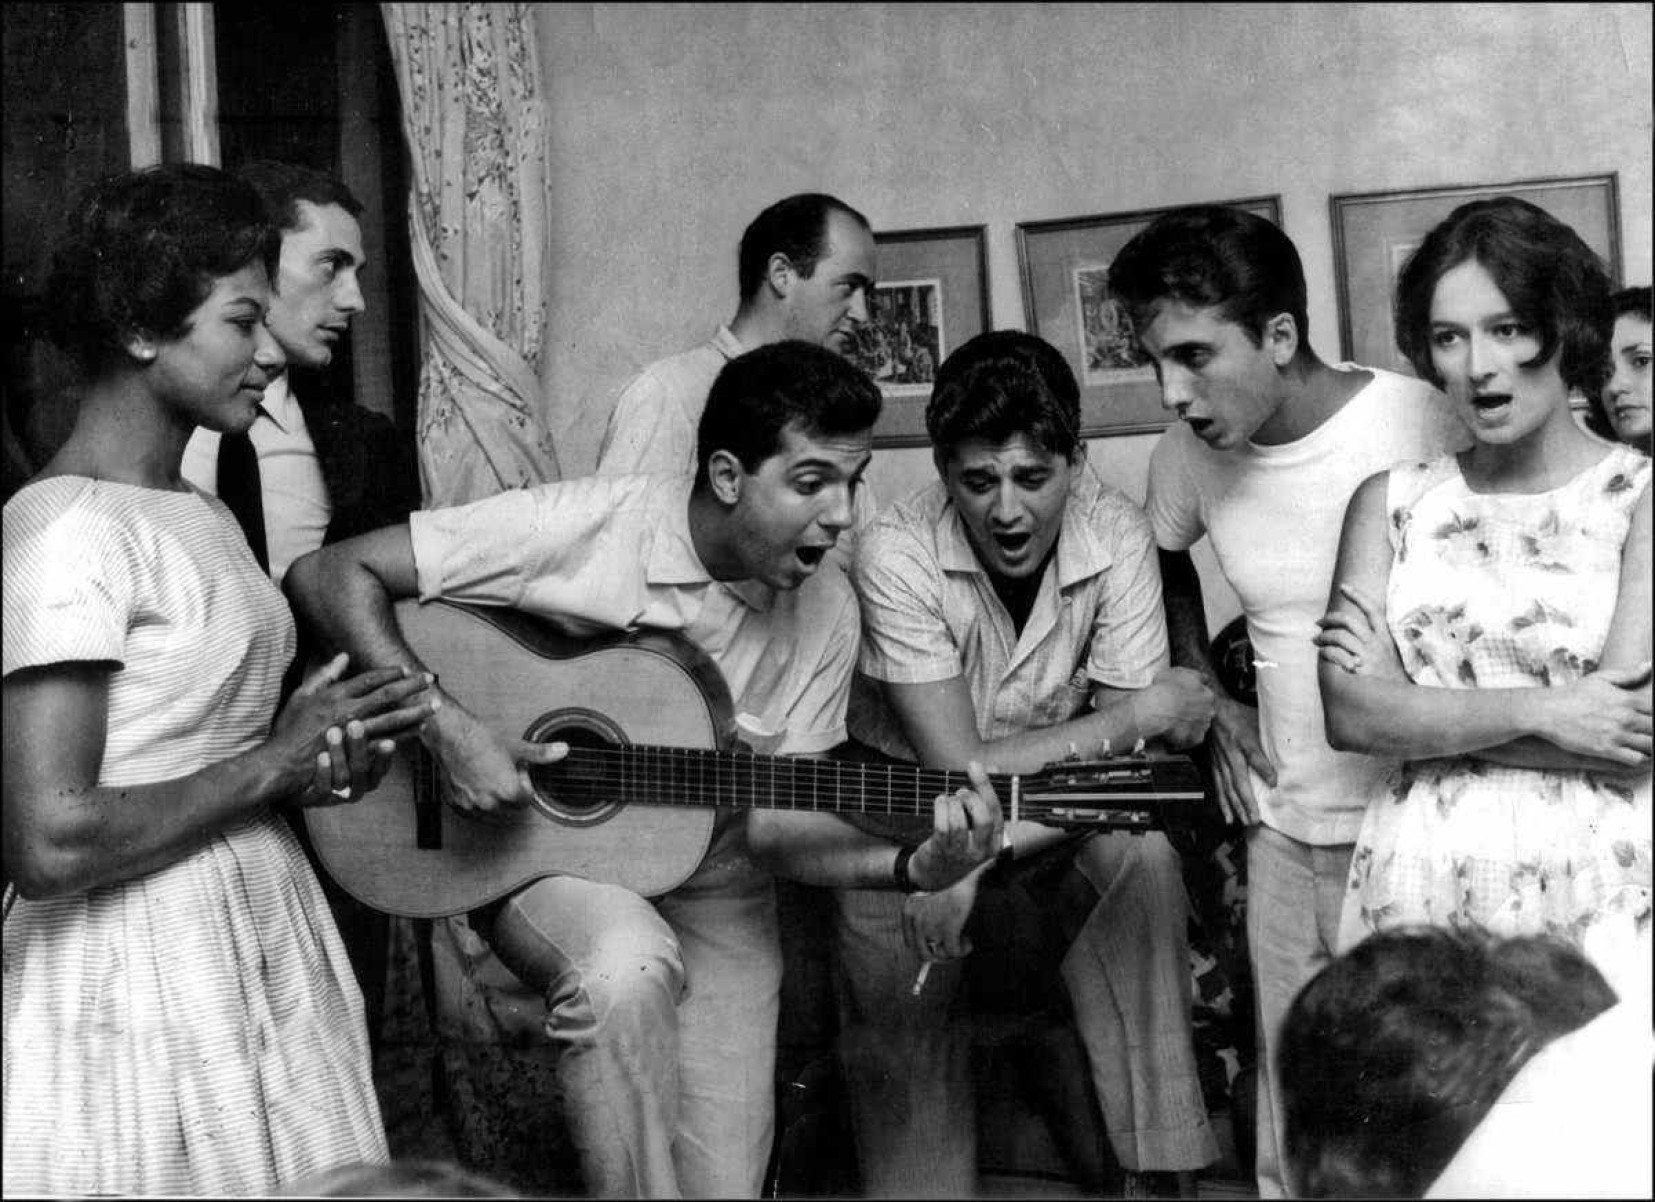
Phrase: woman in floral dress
pixel 1513 581
pixel 180 1015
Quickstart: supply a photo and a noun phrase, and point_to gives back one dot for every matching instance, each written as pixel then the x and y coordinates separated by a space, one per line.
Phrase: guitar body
pixel 404 850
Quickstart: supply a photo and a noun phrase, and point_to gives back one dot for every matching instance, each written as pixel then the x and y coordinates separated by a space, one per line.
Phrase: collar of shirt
pixel 673 561
pixel 1080 553
pixel 727 344
pixel 281 406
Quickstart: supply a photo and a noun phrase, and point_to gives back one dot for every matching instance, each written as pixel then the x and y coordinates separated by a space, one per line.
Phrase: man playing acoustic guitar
pixel 1012 615
pixel 663 1010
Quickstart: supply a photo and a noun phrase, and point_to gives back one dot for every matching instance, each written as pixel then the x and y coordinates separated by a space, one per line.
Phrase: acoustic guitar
pixel 650 727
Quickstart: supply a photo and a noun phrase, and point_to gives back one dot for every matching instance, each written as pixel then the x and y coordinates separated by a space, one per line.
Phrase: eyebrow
pixel 336 254
pixel 1188 344
pixel 1502 315
pixel 825 464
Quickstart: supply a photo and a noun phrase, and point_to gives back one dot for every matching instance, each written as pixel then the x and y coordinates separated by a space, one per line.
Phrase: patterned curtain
pixel 472 116
pixel 469 78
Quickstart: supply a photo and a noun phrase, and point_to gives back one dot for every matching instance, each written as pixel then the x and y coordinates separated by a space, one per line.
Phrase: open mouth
pixel 1012 544
pixel 811 556
pixel 1490 403
pixel 1199 425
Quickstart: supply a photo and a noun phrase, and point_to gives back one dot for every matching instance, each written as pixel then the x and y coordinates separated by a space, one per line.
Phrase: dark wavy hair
pixel 1551 279
pixel 1214 255
pixel 796 227
pixel 1394 1052
pixel 760 393
pixel 141 252
pixel 283 185
pixel 1628 302
pixel 1633 302
pixel 1001 384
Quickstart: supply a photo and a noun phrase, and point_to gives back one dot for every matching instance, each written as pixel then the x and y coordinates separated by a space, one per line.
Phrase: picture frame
pixel 1065 265
pixel 1374 232
pixel 931 296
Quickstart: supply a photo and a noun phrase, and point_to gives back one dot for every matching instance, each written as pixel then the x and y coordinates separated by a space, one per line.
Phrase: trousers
pixel 906 1059
pixel 1295 892
pixel 663 1013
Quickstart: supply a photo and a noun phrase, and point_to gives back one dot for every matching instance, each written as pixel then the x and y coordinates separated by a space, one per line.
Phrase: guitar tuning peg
pixel 1138 748
pixel 1074 752
pixel 1106 753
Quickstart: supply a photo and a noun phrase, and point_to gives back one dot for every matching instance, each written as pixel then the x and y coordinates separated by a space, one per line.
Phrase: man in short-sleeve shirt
pixel 1000 606
pixel 617 552
pixel 663 1010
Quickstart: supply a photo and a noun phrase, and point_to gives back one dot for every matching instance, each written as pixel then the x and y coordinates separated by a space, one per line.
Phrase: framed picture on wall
pixel 932 295
pixel 1065 267
pixel 1375 232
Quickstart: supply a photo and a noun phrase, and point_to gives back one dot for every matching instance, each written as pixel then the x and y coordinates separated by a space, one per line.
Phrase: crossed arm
pixel 1599 723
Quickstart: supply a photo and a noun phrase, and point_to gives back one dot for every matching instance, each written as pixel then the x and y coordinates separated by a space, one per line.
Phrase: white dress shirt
pixel 296 507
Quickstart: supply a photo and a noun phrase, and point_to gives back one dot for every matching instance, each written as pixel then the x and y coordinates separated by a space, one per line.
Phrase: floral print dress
pixel 1504 591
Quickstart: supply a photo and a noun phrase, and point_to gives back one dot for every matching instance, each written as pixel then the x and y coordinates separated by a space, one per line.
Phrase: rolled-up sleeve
pixel 473 552
pixel 553 549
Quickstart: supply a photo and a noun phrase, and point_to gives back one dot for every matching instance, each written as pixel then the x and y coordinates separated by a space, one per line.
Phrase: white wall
pixel 673 125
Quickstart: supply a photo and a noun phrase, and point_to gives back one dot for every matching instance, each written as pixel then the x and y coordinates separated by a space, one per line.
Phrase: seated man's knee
pixel 1129 861
pixel 621 975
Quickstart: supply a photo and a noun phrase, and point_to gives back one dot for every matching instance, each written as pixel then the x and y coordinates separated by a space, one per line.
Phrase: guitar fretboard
pixel 696 776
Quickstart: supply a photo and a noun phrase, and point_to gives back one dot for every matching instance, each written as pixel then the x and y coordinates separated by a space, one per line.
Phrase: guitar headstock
pixel 1131 792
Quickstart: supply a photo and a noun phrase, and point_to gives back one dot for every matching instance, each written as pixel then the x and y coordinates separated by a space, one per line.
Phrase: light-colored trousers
pixel 907 1060
pixel 1295 892
pixel 664 1016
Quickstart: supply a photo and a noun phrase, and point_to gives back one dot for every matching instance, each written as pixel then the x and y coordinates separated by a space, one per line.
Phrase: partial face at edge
pixel 1626 398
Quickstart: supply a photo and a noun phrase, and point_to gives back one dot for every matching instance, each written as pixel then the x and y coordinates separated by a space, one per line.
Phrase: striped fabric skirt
pixel 194 1031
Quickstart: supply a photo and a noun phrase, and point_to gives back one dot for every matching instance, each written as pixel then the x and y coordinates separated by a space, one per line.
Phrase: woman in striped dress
pixel 180 1015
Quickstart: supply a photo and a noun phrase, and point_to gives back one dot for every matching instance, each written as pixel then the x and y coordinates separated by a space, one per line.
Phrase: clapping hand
pixel 334 739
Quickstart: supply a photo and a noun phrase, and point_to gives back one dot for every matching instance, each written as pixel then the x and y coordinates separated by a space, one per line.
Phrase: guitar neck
pixel 700 777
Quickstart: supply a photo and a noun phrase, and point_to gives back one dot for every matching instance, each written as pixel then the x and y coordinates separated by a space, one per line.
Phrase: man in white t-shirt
pixel 1270 444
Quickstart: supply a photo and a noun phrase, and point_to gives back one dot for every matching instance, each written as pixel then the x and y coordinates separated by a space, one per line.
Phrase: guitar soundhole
pixel 580 790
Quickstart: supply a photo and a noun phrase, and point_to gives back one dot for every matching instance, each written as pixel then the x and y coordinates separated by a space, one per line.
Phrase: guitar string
pixel 1082 811
pixel 653 763
pixel 646 754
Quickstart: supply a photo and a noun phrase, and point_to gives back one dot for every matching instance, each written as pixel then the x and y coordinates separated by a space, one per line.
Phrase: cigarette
pixel 919 981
